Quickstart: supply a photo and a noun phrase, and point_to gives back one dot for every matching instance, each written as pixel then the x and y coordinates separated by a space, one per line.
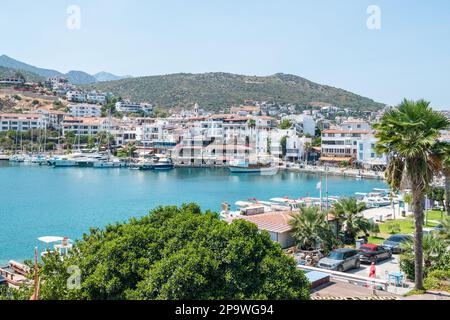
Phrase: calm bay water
pixel 38 201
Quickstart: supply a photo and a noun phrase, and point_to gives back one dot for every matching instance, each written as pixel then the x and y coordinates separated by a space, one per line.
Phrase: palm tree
pixel 309 227
pixel 434 250
pixel 407 135
pixel 347 212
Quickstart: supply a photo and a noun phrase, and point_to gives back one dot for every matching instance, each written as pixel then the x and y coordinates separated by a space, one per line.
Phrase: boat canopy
pixel 50 239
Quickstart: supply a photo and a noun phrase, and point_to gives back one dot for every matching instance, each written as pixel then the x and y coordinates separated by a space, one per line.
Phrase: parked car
pixel 341 260
pixel 373 253
pixel 394 242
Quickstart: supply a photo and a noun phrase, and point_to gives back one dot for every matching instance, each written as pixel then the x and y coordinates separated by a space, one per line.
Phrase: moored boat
pixel 267 169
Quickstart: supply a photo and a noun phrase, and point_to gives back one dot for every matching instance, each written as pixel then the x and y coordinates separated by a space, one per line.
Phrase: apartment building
pixel 85 110
pixel 53 118
pixel 85 126
pixel 76 96
pixel 367 156
pixel 133 107
pixel 303 123
pixel 341 144
pixel 95 97
pixel 21 121
pixel 355 124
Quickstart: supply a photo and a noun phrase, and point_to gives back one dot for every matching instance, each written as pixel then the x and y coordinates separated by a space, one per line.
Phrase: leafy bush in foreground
pixel 176 253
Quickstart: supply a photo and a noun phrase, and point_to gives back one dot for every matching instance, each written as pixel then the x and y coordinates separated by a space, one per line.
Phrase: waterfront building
pixel 294 145
pixel 85 126
pixel 367 155
pixel 53 118
pixel 340 145
pixel 124 134
pixel 21 121
pixel 85 110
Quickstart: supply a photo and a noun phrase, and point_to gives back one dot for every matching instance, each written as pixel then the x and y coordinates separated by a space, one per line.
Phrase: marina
pixel 37 200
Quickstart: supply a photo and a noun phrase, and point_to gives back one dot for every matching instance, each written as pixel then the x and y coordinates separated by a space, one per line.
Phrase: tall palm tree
pixel 309 227
pixel 347 212
pixel 407 135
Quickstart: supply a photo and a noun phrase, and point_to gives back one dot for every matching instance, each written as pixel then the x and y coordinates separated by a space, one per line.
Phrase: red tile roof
pixel 272 221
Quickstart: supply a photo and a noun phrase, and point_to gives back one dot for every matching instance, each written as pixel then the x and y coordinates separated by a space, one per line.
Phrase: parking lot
pixel 382 269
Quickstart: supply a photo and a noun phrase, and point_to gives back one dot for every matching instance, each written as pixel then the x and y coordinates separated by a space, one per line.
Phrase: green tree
pixel 105 138
pixel 435 255
pixel 310 228
pixel 176 253
pixel 283 143
pixel 285 124
pixel 348 216
pixel 436 194
pixel 407 135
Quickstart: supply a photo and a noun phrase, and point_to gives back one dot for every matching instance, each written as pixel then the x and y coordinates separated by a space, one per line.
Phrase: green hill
pixel 220 90
pixel 29 76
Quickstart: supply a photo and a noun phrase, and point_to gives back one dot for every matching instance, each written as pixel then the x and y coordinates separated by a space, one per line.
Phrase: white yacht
pixel 110 163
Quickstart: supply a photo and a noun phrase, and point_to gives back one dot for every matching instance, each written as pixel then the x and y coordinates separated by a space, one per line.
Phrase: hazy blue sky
pixel 324 41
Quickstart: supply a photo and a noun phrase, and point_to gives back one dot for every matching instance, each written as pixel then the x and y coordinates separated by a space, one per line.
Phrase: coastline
pixel 353 173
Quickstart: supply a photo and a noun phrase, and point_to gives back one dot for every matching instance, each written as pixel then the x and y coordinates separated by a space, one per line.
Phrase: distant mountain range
pixel 213 91
pixel 75 77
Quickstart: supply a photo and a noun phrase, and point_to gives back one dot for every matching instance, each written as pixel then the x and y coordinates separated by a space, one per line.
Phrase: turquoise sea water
pixel 39 201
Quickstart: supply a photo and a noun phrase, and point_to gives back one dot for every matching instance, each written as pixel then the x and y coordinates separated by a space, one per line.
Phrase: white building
pixel 21 121
pixel 85 126
pixel 355 124
pixel 367 154
pixel 53 118
pixel 12 81
pixel 341 144
pixel 85 110
pixel 131 107
pixel 95 97
pixel 76 96
pixel 303 123
pixel 124 134
pixel 294 145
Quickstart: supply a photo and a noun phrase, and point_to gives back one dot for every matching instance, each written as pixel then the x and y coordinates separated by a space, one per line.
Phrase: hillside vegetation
pixel 8 72
pixel 220 90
